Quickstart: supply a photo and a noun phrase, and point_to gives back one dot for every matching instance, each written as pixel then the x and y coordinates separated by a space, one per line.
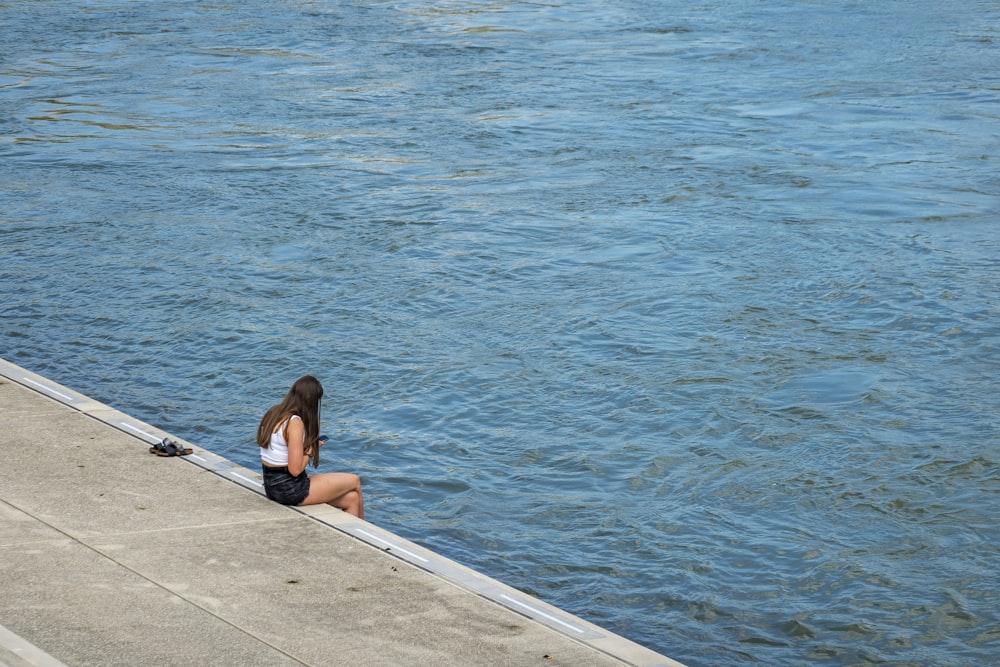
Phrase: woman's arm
pixel 295 435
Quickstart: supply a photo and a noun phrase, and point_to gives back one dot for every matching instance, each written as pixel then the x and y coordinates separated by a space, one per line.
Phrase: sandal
pixel 168 447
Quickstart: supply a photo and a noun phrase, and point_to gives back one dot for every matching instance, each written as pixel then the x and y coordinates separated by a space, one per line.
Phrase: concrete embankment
pixel 112 556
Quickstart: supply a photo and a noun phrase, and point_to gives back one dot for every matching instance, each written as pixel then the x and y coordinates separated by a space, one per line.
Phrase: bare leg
pixel 339 489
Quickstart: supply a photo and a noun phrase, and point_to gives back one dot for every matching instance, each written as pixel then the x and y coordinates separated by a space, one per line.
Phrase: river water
pixel 681 316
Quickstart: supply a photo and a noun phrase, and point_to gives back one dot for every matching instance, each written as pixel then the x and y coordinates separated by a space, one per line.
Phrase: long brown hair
pixel 302 400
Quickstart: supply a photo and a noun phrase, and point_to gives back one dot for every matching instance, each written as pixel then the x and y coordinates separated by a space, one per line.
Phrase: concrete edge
pixel 16 651
pixel 459 575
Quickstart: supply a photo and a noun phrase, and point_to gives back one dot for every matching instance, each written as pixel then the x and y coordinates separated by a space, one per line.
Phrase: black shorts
pixel 283 487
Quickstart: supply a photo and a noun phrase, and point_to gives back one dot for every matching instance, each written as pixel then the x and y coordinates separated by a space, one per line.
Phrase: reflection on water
pixel 678 316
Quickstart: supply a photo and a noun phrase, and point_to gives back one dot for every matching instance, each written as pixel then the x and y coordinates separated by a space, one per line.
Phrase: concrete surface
pixel 110 555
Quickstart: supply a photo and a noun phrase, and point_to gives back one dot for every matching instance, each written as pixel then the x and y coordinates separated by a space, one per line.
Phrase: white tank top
pixel 276 452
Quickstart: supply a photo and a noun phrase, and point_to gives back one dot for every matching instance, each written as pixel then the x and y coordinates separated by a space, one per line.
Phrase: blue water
pixel 681 316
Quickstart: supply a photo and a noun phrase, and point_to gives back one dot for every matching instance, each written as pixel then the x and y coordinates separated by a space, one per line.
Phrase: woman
pixel 288 436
